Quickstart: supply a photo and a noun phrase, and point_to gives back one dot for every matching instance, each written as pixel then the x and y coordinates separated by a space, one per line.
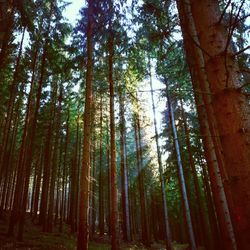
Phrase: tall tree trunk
pixel 231 109
pixel 203 227
pixel 101 172
pixel 54 170
pixel 62 209
pixel 10 108
pixel 9 155
pixel 108 178
pixel 212 216
pixel 114 243
pixel 46 174
pixel 38 185
pixel 83 231
pixel 24 161
pixel 181 175
pixel 208 124
pixel 124 171
pixel 168 236
pixel 29 149
pixel 139 160
pixel 59 182
pixel 74 181
pixel 93 175
pixel 7 33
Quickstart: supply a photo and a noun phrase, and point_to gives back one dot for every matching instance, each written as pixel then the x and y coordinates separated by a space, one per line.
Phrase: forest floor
pixel 35 239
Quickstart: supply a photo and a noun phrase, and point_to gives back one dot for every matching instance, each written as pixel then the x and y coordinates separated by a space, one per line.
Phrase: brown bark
pixel 46 175
pixel 231 109
pixel 38 185
pixel 62 202
pixel 83 231
pixel 141 184
pixel 124 170
pixel 93 174
pixel 168 236
pixel 101 173
pixel 54 169
pixel 208 124
pixel 114 243
pixel 203 226
pixel 10 108
pixel 181 173
pixel 6 30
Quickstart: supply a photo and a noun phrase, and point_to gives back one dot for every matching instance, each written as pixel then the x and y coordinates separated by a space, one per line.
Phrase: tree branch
pixel 224 11
pixel 242 50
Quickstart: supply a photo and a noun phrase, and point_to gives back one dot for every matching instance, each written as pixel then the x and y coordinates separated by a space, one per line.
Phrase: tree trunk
pixel 208 124
pixel 54 170
pixel 139 160
pixel 38 185
pixel 83 231
pixel 181 175
pixel 203 226
pixel 101 183
pixel 114 218
pixel 62 209
pixel 93 175
pixel 124 171
pixel 7 34
pixel 231 109
pixel 168 236
pixel 10 109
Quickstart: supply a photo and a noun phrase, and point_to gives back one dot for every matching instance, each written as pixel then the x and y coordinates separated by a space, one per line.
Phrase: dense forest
pixel 126 129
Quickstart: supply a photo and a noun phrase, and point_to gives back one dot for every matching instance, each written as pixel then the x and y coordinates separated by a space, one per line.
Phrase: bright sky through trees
pixel 72 14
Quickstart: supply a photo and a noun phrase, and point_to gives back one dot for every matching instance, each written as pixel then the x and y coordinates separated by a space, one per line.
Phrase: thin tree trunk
pixel 168 236
pixel 46 175
pixel 7 34
pixel 10 108
pixel 62 209
pixel 114 241
pixel 181 175
pixel 124 171
pixel 139 160
pixel 101 172
pixel 93 177
pixel 54 171
pixel 38 185
pixel 204 230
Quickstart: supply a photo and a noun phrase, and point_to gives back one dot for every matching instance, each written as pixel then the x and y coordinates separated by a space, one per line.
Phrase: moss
pixel 98 246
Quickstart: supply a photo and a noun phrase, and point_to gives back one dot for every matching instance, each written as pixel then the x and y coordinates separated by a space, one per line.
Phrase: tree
pixel 230 115
pixel 83 231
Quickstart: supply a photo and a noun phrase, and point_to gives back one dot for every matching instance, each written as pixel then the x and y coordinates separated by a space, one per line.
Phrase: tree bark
pixel 231 109
pixel 114 241
pixel 141 184
pixel 124 171
pixel 168 236
pixel 181 175
pixel 101 172
pixel 203 226
pixel 83 231
pixel 208 123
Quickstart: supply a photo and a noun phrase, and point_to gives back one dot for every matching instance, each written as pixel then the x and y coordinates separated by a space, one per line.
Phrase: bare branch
pixel 244 85
pixel 242 18
pixel 224 11
pixel 198 45
pixel 242 50
pixel 232 26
